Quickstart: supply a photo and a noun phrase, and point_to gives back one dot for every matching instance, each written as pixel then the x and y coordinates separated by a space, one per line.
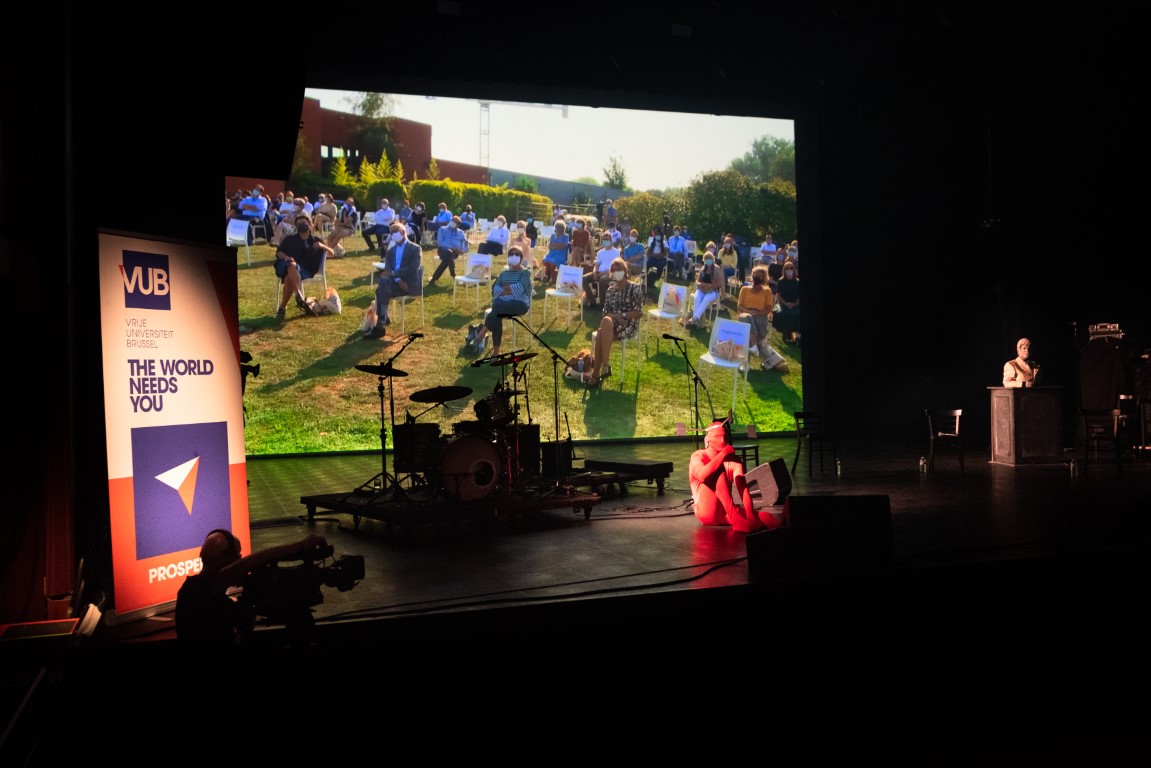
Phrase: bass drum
pixel 467 467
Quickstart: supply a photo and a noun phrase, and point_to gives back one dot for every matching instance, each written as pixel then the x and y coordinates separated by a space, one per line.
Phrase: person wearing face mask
pixel 497 241
pixel 399 277
pixel 596 281
pixel 418 222
pixel 441 219
pixel 708 283
pixel 622 311
pixel 451 241
pixel 521 240
pixel 288 222
pixel 298 257
pixel 580 243
pixel 557 256
pixel 467 219
pixel 385 215
pixel 677 253
pixel 511 295
pixel 405 213
pixel 254 209
pixel 792 253
pixel 755 305
pixel 786 319
pixel 345 226
pixel 531 231
pixel 729 257
pixel 633 253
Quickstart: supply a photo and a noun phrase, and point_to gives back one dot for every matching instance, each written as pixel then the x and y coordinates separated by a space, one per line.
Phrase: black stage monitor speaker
pixel 548 458
pixel 769 484
pixel 823 535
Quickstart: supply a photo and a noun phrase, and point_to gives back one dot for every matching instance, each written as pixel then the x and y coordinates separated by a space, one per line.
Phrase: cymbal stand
pixel 557 360
pixel 384 482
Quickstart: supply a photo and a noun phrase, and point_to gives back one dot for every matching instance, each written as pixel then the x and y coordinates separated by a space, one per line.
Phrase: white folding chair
pixel 569 285
pixel 727 348
pixel 237 235
pixel 477 274
pixel 672 306
pixel 403 301
pixel 320 278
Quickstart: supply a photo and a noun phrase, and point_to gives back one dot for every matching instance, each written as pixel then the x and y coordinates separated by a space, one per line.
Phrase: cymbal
pixel 440 394
pixel 513 358
pixel 381 370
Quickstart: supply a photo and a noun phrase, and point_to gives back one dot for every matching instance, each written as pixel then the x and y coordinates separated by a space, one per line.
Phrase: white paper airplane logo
pixel 183 478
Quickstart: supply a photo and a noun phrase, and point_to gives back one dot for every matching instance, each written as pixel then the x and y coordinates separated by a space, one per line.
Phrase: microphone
pixel 673 338
pixel 415 336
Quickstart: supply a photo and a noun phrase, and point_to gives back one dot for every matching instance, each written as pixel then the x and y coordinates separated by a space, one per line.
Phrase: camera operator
pixel 205 613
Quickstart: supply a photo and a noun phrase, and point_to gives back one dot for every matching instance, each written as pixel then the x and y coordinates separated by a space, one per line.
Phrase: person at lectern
pixel 1022 371
pixel 713 472
pixel 206 614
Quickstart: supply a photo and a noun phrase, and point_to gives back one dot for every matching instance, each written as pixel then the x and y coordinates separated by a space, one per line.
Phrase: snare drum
pixel 493 409
pixel 467 467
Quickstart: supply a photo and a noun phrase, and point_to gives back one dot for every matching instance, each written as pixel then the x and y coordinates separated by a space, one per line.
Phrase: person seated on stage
pixel 498 236
pixel 755 305
pixel 511 295
pixel 557 254
pixel 1022 371
pixel 595 280
pixel 712 472
pixel 347 219
pixel 206 615
pixel 451 242
pixel 622 312
pixel 299 256
pixel 401 276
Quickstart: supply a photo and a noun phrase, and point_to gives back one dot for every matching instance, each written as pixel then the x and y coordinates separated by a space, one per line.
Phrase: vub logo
pixel 180 484
pixel 145 277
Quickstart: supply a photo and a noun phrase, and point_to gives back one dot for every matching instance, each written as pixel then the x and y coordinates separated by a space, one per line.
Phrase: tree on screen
pixel 615 175
pixel 372 126
pixel 770 158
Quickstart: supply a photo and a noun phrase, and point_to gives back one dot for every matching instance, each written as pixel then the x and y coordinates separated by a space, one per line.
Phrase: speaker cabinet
pixel 769 484
pixel 548 458
pixel 823 535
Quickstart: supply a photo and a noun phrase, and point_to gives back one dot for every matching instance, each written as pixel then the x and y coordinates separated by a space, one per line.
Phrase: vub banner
pixel 173 410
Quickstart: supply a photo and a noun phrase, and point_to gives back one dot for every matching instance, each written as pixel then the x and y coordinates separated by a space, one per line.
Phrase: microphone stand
pixel 697 382
pixel 557 358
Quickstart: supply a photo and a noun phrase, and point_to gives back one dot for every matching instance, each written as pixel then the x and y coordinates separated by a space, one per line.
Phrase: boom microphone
pixel 673 338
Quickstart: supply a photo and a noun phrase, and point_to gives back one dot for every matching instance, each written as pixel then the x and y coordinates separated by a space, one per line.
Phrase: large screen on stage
pixel 315 383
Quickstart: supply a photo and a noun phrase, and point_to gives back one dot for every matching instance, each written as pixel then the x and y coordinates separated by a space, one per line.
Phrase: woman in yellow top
pixel 755 305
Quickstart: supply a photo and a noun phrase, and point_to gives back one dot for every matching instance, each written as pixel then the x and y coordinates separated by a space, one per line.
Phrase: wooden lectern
pixel 1026 425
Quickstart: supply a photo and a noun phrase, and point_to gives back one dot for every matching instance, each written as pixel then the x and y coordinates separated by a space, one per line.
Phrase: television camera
pixel 283 593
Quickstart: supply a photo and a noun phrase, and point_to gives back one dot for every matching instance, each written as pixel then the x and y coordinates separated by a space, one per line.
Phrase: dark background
pixel 967 175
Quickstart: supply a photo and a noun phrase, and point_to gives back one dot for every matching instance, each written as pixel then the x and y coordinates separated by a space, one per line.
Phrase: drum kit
pixel 493 454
